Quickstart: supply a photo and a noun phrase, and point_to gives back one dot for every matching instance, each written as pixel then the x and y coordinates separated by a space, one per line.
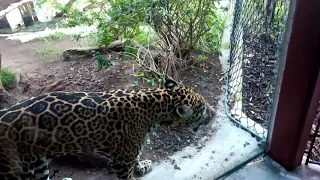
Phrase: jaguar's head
pixel 190 108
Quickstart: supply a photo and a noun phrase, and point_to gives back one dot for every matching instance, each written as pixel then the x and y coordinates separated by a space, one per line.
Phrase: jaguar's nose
pixel 206 122
pixel 195 129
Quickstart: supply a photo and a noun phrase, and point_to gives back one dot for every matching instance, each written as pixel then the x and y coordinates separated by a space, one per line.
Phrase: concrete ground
pixel 269 170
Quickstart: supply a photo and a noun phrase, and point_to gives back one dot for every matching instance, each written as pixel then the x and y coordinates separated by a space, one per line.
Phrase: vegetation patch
pixel 8 78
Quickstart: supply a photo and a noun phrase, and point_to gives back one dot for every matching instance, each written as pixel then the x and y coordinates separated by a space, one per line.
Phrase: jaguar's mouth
pixel 195 129
pixel 196 126
pixel 206 122
pixel 166 123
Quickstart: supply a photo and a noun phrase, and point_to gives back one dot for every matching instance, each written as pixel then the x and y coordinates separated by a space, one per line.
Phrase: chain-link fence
pixel 313 145
pixel 256 41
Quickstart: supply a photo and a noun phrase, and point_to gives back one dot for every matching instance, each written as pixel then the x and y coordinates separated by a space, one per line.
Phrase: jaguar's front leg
pixel 103 153
pixel 124 169
pixel 142 167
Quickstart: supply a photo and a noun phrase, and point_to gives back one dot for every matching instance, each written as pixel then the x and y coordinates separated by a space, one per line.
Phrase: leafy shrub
pixel 181 24
pixel 177 27
pixel 101 62
pixel 54 37
pixel 210 42
pixel 115 20
pixel 7 77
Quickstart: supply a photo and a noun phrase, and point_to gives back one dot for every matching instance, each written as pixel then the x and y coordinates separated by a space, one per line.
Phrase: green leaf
pixel 150 83
pixel 141 75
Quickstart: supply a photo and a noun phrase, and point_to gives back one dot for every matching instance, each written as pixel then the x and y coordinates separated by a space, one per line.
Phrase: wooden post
pixel 299 89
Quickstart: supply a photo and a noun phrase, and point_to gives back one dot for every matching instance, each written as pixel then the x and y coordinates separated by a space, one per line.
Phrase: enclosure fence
pixel 313 145
pixel 255 46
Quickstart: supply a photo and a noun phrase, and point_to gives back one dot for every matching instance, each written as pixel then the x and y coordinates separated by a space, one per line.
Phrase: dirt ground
pixel 82 75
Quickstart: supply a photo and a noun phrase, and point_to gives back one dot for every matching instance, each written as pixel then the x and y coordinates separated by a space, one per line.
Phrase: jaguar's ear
pixel 184 111
pixel 170 83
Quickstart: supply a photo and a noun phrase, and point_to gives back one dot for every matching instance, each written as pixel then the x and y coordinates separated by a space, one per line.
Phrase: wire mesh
pixel 255 46
pixel 313 145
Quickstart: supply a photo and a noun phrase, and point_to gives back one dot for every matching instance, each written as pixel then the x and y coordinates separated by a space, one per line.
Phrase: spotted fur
pixel 112 125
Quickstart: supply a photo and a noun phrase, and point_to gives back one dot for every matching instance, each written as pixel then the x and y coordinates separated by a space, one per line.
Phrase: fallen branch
pixel 56 86
pixel 28 89
pixel 116 46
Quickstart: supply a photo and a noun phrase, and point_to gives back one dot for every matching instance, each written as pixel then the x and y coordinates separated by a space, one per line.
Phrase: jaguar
pixel 112 125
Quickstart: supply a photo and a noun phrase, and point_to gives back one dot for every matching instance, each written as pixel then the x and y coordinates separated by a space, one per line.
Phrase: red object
pixel 202 65
pixel 125 67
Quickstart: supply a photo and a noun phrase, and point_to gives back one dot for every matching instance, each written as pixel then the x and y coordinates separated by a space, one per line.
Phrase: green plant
pixel 150 83
pixel 114 19
pixel 54 37
pixel 280 14
pixel 101 62
pixel 75 17
pixel 181 24
pixel 210 42
pixel 52 3
pixel 7 78
pixel 145 36
pixel 149 79
pixel 86 40
pixel 129 50
pixel 50 50
pixel 201 59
